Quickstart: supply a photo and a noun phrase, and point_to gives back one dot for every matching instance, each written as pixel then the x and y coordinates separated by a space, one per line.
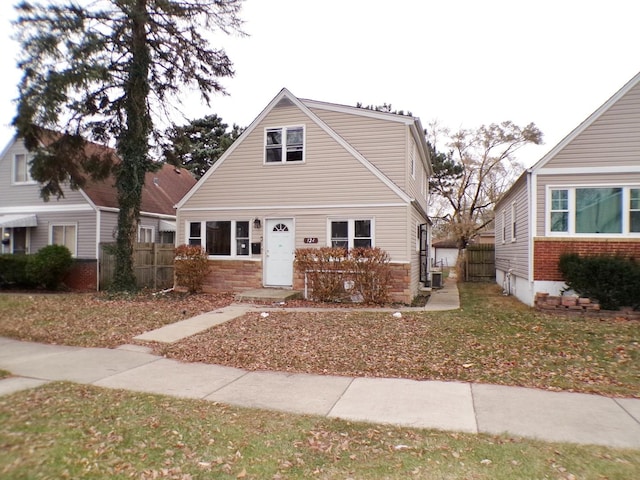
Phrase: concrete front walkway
pixel 446 298
pixel 454 406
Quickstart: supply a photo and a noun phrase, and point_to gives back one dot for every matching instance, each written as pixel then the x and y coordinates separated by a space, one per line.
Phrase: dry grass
pixel 492 339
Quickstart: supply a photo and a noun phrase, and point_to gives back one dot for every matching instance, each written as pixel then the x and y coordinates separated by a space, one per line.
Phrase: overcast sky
pixel 462 62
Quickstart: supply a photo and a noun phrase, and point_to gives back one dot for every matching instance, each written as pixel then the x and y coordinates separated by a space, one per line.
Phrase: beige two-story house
pixel 308 174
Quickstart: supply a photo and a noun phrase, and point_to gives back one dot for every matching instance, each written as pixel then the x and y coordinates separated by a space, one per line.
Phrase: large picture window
pixel 351 233
pixel 284 144
pixel 594 210
pixel 228 238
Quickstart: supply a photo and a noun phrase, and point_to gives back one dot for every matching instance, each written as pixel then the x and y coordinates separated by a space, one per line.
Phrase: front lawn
pixel 492 339
pixel 63 430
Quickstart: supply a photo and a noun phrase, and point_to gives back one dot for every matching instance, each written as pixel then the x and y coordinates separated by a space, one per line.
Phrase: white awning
pixel 13 221
pixel 167 226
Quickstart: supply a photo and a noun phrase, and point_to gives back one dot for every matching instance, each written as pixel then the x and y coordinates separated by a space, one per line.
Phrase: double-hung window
pixel 634 210
pixel 351 233
pixel 64 235
pixel 145 234
pixel 21 173
pixel 284 144
pixel 228 238
pixel 595 210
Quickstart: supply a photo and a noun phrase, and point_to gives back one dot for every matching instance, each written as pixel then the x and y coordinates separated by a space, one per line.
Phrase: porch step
pixel 268 295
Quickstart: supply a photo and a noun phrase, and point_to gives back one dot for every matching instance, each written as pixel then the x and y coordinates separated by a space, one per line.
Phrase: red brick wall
pixel 83 275
pixel 547 251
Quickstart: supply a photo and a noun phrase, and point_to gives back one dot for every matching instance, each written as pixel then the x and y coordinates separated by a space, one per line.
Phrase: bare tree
pixel 477 169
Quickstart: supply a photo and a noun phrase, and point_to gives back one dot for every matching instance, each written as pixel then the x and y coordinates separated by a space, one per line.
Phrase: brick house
pixel 582 197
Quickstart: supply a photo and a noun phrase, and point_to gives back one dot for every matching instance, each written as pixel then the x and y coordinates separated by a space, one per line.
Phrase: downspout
pixel 532 190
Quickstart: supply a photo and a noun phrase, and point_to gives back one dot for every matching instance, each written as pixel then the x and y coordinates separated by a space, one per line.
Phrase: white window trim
pixel 412 160
pixel 504 225
pixel 571 189
pixel 234 247
pixel 146 227
pixel 514 237
pixel 351 229
pixel 14 172
pixel 74 254
pixel 283 160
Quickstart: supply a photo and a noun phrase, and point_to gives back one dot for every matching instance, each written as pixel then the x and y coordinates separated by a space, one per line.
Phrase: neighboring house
pixel 582 197
pixel 445 253
pixel 83 218
pixel 311 174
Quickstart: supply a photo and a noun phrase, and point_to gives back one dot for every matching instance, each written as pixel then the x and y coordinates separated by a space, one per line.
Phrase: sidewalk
pixel 453 406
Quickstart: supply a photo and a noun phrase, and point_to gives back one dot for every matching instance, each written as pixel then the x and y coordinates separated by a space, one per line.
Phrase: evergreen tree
pixel 101 71
pixel 199 144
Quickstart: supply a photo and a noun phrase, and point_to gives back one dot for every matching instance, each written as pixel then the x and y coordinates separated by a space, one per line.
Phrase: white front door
pixel 280 249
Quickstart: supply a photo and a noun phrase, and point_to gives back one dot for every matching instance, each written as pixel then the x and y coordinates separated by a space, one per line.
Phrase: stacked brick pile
pixel 580 306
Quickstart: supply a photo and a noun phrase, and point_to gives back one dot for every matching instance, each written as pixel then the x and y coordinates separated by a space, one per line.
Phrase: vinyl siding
pixel 108 226
pixel 329 175
pixel 613 139
pixel 571 180
pixel 383 143
pixel 85 225
pixel 512 253
pixel 310 222
pixel 27 195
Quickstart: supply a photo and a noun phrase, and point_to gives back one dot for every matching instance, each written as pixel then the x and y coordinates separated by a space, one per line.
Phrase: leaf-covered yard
pixel 492 339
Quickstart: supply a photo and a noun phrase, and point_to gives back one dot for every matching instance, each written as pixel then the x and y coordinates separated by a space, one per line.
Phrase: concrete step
pixel 268 295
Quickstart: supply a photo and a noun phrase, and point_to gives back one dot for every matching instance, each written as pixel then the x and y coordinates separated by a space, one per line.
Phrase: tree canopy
pixel 197 145
pixel 471 175
pixel 103 71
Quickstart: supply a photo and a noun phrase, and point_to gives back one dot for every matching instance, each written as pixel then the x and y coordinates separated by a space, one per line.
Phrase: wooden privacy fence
pixel 152 265
pixel 479 263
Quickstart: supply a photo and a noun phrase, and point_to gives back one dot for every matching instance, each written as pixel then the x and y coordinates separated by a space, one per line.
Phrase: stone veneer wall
pixel 547 251
pixel 233 276
pixel 240 275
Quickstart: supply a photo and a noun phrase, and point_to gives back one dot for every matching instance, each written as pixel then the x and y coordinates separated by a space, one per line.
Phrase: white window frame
pixel 14 170
pixel 283 158
pixel 145 229
pixel 351 229
pixel 504 225
pixel 631 209
pixel 234 246
pixel 74 252
pixel 513 222
pixel 571 223
pixel 412 160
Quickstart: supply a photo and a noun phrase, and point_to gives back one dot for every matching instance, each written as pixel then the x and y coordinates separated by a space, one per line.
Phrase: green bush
pixel 49 265
pixel 365 270
pixel 191 266
pixel 13 271
pixel 612 280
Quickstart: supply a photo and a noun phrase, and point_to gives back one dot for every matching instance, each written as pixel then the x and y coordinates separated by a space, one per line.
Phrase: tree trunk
pixel 133 148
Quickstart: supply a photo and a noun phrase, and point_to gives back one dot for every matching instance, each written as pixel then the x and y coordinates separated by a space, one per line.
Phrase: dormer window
pixel 285 144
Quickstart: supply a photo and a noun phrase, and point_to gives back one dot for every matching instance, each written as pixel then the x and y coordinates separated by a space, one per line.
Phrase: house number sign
pixel 310 239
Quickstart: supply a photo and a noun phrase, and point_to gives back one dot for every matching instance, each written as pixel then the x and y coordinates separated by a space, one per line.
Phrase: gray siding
pixel 513 253
pixel 613 139
pixel 27 195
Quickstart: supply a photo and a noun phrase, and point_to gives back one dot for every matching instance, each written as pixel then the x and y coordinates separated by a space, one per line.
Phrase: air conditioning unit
pixel 436 279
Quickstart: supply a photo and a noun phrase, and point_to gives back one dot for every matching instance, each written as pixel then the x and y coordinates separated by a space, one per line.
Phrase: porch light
pixel 257 224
